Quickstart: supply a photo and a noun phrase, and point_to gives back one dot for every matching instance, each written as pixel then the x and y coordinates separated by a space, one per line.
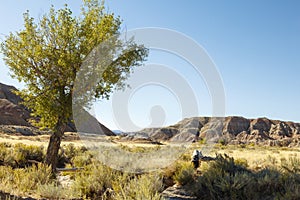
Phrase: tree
pixel 47 54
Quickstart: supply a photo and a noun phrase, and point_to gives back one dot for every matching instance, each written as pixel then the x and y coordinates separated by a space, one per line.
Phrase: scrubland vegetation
pixel 275 175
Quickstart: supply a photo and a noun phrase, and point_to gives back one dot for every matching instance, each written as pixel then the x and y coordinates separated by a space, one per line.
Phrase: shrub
pixel 51 191
pixel 82 159
pixel 28 179
pixel 184 173
pixel 20 155
pixel 143 187
pixel 223 179
pixel 93 181
pixel 291 165
pixel 223 141
pixel 242 162
pixel 227 179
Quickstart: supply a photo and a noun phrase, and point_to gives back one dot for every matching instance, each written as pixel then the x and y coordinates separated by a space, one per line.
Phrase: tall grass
pixel 223 178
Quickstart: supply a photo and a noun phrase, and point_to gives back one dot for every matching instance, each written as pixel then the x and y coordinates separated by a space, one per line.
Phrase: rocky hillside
pixel 232 130
pixel 14 118
pixel 11 112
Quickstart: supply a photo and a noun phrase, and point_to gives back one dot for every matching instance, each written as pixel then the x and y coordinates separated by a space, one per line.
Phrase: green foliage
pixel 51 191
pixel 75 156
pixel 46 55
pixel 202 141
pixel 225 178
pixel 184 173
pixel 24 180
pixel 146 186
pixel 222 178
pixel 20 155
pixel 28 179
pixel 94 181
pixel 24 153
pixel 223 141
pixel 185 157
pixel 82 159
pixel 291 165
pixel 100 182
pixel 242 162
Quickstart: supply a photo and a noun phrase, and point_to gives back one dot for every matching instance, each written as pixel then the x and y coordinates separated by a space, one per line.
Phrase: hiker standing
pixel 196 156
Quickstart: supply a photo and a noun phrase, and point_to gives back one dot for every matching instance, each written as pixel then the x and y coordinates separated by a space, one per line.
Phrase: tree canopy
pixel 47 53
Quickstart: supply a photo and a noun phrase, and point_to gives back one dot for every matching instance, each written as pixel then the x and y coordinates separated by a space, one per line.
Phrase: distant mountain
pixel 12 113
pixel 117 132
pixel 232 130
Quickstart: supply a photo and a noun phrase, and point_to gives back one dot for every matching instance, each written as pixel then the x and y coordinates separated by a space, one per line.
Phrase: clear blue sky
pixel 254 44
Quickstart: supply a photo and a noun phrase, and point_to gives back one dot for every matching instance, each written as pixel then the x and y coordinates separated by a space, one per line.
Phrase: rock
pixel 12 114
pixel 236 125
pixel 21 130
pixel 24 131
pixel 233 130
pixel 185 136
pixel 280 130
pixel 164 133
pixel 177 193
pixel 295 128
pixel 260 124
pixel 7 92
pixel 213 129
pixel 258 135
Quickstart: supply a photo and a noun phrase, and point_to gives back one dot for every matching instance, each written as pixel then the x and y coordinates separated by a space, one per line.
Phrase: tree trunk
pixel 54 145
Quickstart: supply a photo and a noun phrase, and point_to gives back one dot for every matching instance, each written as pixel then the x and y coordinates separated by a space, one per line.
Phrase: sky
pixel 255 46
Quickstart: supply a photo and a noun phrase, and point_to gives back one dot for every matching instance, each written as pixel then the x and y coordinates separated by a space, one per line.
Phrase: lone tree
pixel 46 55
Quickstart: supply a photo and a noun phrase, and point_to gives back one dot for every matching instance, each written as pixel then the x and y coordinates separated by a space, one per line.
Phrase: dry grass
pixel 259 157
pixel 258 165
pixel 256 156
pixel 39 140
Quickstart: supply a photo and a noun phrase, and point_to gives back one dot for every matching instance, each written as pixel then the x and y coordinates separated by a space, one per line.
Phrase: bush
pixel 82 159
pixel 28 179
pixel 184 173
pixel 94 181
pixel 20 155
pixel 24 153
pixel 291 165
pixel 227 179
pixel 146 186
pixel 223 141
pixel 51 191
pixel 242 162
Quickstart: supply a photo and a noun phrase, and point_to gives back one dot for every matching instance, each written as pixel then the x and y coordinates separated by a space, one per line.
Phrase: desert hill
pixel 12 113
pixel 14 117
pixel 229 130
pixel 233 130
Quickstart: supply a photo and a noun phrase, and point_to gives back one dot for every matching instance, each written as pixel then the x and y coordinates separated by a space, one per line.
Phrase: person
pixel 196 156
